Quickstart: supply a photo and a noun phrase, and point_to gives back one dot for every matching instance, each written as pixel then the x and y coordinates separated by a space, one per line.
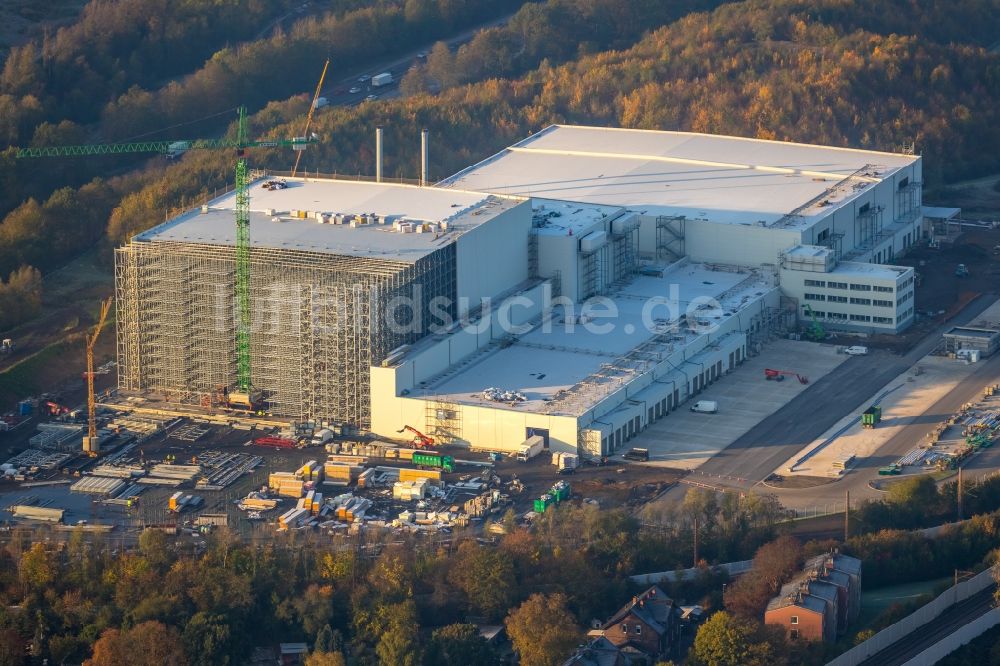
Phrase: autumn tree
pixel 542 630
pixel 773 565
pixel 146 644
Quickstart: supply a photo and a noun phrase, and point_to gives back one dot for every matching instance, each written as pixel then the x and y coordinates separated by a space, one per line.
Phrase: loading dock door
pixel 541 432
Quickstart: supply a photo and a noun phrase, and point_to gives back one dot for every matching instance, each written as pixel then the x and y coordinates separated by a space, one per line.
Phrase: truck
pixel 871 416
pixel 177 148
pixel 322 437
pixel 705 407
pixel 434 461
pixel 640 455
pixel 383 79
pixel 530 448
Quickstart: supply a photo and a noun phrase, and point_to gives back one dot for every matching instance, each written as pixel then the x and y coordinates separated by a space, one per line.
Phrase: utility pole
pixel 959 493
pixel 695 543
pixel 847 516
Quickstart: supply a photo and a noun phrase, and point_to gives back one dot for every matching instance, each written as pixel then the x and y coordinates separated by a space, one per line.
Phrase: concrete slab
pixel 685 440
pixel 911 392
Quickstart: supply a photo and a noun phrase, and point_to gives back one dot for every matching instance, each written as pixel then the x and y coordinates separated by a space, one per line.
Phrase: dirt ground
pixel 50 354
pixel 940 294
pixel 610 485
pixel 978 198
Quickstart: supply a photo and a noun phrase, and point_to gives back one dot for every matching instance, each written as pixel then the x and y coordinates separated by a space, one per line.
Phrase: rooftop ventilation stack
pixel 378 154
pixel 423 158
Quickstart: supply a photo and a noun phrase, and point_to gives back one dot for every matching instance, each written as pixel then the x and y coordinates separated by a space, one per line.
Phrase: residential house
pixel 822 601
pixel 644 628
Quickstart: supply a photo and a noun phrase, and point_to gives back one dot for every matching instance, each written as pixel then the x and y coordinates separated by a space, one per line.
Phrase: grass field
pixel 874 602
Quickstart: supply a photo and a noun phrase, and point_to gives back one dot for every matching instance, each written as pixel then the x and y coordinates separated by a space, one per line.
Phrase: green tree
pixel 399 642
pixel 208 639
pixel 486 577
pixel 542 630
pixel 725 640
pixel 459 645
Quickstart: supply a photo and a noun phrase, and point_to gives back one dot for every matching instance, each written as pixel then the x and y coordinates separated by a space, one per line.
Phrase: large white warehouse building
pixel 576 286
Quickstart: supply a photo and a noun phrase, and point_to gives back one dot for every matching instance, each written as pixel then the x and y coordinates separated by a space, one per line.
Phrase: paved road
pixel 338 93
pixel 933 632
pixel 902 442
pixel 770 443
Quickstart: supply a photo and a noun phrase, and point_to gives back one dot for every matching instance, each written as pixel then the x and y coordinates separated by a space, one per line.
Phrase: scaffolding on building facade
pixel 320 321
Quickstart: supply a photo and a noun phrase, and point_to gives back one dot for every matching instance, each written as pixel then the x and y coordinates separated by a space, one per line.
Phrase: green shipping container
pixel 435 460
pixel 871 417
pixel 543 503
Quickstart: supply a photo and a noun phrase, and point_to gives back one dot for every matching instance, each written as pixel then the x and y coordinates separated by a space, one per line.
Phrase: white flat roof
pixel 559 218
pixel 846 269
pixel 547 361
pixel 461 210
pixel 718 178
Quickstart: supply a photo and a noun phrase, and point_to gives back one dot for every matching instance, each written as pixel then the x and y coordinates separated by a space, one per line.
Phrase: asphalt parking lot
pixel 685 440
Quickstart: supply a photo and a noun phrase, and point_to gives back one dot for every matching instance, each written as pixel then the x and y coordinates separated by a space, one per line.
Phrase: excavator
pixel 420 440
pixel 815 332
pixel 779 375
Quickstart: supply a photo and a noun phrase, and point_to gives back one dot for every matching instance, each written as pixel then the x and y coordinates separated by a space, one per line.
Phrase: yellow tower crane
pixel 309 117
pixel 90 443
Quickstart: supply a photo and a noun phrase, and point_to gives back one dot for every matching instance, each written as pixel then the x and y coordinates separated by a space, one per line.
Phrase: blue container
pixel 24 408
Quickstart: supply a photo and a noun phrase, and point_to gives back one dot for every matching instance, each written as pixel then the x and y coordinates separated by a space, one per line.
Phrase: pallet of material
pixel 160 481
pixel 292 488
pixel 99 485
pixel 347 460
pixel 122 472
pixel 258 504
pixel 43 513
pixel 409 474
pixel 183 472
pixel 275 479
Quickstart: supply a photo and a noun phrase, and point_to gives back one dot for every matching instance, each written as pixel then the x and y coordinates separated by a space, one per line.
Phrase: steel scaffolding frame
pixel 319 321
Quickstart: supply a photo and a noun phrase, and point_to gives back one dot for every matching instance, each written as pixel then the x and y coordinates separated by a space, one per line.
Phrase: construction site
pixel 308 352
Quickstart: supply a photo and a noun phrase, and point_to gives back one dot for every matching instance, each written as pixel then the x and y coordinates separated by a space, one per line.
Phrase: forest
pixel 835 71
pixel 405 599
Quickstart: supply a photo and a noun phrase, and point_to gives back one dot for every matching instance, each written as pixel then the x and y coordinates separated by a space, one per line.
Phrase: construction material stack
pixel 285 484
pixel 407 474
pixel 339 474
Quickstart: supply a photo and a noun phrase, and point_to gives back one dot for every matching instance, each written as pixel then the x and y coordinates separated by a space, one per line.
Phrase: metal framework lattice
pixel 318 322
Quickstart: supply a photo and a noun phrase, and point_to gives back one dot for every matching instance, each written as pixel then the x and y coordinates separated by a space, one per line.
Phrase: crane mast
pixel 91 445
pixel 243 378
pixel 244 395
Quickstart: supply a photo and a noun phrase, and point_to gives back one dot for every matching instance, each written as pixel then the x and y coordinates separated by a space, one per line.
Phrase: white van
pixel 705 407
pixel 856 350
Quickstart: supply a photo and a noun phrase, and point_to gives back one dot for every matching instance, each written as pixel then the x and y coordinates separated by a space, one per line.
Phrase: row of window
pixel 843 299
pixel 638 628
pixel 852 286
pixel 841 316
pixel 905 297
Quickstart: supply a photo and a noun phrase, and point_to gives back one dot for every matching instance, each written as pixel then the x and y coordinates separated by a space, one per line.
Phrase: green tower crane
pixel 244 396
